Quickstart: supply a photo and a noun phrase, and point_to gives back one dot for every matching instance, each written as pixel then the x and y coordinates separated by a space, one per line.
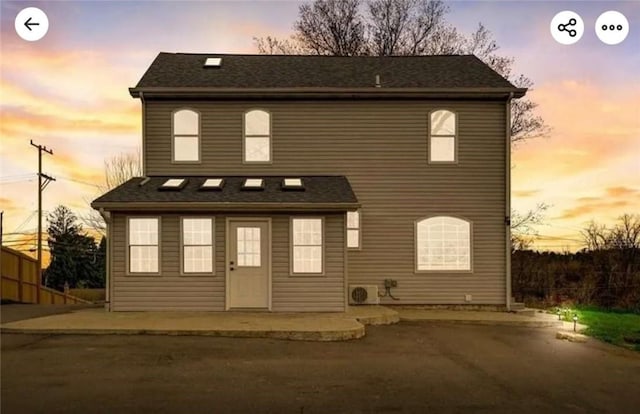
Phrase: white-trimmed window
pixel 353 229
pixel 443 243
pixel 143 245
pixel 197 245
pixel 257 136
pixel 442 136
pixel 306 245
pixel 186 136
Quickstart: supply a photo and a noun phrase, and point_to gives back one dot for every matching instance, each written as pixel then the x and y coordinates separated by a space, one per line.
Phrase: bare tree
pixel 595 236
pixel 626 234
pixel 117 170
pixel 120 168
pixel 401 27
pixel 331 27
pixel 523 226
pixel 274 46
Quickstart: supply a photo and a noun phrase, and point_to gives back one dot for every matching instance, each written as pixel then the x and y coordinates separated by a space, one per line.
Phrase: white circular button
pixel 566 27
pixel 612 27
pixel 31 24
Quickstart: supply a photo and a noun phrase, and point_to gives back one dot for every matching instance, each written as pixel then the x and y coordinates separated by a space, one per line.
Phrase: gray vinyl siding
pixel 170 291
pixel 381 146
pixel 319 293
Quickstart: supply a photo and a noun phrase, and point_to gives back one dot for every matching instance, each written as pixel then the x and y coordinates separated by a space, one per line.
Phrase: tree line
pixel 605 273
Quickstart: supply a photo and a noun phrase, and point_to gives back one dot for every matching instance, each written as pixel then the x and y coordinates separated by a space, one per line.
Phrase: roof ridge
pixel 214 54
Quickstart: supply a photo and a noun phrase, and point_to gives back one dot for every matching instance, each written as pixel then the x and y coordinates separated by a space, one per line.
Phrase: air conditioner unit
pixel 363 295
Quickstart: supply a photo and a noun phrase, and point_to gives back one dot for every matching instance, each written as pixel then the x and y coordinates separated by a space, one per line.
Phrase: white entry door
pixel 248 264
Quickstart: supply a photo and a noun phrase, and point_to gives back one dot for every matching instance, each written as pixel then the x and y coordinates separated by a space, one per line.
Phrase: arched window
pixel 443 243
pixel 442 136
pixel 257 136
pixel 186 136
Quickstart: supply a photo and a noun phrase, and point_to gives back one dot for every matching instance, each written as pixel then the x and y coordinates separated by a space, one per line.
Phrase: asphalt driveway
pixel 408 367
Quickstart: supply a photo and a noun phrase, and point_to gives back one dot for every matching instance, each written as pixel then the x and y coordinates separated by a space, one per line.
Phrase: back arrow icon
pixel 29 24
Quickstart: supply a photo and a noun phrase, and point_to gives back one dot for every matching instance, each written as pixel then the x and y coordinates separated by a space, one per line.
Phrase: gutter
pixel 144 134
pixel 222 206
pixel 507 193
pixel 327 92
pixel 106 215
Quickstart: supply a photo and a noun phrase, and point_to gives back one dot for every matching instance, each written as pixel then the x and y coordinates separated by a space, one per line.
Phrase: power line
pixel 79 181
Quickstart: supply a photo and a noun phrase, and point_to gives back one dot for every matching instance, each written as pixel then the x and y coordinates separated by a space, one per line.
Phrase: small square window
pixel 212 184
pixel 173 184
pixel 253 184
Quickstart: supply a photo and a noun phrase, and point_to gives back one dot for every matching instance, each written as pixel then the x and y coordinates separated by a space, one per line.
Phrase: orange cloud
pixel 622 191
pixel 591 208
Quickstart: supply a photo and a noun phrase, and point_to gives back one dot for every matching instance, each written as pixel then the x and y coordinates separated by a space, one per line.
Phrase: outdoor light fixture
pixel 575 320
pixel 559 314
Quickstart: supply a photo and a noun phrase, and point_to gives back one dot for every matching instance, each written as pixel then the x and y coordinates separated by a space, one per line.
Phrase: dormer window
pixel 442 137
pixel 257 136
pixel 186 136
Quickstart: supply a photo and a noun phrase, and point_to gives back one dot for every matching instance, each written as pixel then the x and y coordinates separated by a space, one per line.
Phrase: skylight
pixel 213 63
pixel 212 184
pixel 173 183
pixel 292 184
pixel 253 184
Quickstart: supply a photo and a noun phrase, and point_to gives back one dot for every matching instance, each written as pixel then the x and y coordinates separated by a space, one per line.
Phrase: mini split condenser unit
pixel 363 295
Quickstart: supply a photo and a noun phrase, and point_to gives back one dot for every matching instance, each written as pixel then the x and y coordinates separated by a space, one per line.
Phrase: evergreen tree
pixel 75 257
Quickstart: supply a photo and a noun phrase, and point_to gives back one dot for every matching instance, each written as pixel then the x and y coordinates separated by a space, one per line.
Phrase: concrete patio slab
pixel 293 326
pixel 537 320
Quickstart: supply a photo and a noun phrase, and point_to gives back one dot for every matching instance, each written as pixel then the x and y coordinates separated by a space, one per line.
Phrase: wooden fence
pixel 20 281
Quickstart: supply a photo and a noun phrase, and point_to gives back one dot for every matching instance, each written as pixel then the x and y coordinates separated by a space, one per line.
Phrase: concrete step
pixel 524 312
pixel 517 306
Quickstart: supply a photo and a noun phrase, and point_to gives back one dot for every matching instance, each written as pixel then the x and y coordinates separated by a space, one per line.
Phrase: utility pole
pixel 41 187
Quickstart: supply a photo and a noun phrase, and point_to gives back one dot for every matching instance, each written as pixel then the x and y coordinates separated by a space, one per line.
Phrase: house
pixel 303 183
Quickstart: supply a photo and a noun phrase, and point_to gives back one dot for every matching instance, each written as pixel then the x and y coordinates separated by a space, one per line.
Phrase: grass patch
pixel 616 328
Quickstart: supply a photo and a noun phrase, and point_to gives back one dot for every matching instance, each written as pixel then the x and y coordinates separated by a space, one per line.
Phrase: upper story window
pixel 257 136
pixel 443 243
pixel 442 136
pixel 186 136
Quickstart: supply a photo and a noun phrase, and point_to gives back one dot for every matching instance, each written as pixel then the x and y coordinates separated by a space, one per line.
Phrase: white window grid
pixel 353 229
pixel 442 145
pixel 307 245
pixel 197 245
pixel 444 243
pixel 186 135
pixel 248 246
pixel 257 136
pixel 143 245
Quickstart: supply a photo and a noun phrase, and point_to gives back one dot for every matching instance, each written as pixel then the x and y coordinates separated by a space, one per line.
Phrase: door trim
pixel 227 238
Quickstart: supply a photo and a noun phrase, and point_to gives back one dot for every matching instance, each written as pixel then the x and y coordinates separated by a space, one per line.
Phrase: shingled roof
pixel 244 72
pixel 318 192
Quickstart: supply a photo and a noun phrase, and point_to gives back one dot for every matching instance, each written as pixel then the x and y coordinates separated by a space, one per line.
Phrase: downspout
pixel 144 134
pixel 507 193
pixel 106 215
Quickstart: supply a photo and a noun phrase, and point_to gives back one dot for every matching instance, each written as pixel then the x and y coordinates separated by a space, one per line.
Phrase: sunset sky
pixel 68 91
